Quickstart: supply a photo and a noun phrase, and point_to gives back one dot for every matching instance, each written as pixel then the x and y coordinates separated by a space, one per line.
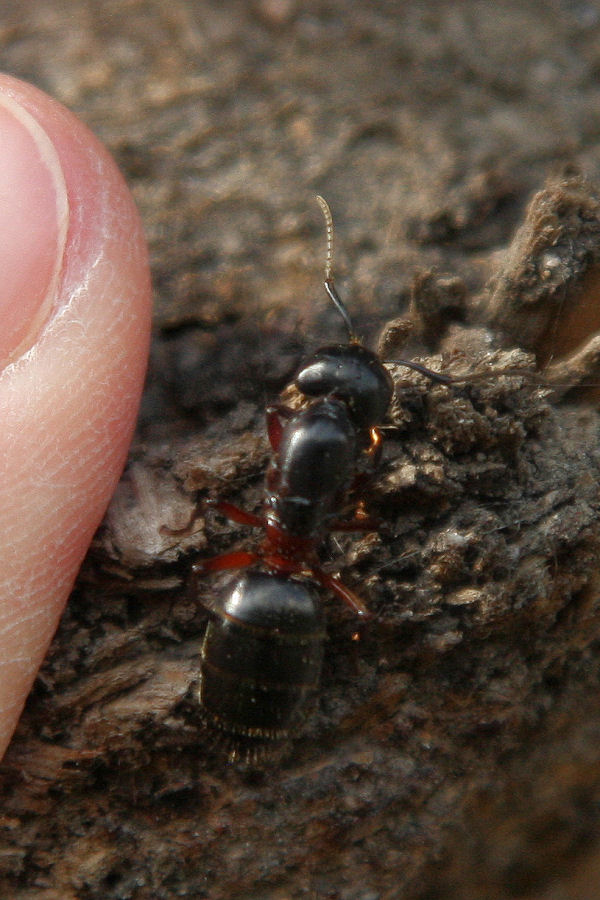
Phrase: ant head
pixel 353 374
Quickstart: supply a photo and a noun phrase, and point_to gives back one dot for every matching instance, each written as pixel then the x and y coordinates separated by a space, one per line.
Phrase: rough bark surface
pixel 452 750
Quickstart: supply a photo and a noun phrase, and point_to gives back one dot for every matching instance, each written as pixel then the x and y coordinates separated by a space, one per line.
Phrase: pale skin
pixel 74 332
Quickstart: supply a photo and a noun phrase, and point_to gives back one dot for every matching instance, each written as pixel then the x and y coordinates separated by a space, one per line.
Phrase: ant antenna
pixel 329 282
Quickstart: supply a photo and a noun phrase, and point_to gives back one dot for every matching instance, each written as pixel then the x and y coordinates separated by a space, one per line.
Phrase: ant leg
pixel 337 587
pixel 238 559
pixel 229 510
pixel 235 514
pixel 329 582
pixel 274 415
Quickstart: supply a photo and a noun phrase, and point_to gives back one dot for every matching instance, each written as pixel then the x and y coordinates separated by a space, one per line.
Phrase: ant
pixel 263 648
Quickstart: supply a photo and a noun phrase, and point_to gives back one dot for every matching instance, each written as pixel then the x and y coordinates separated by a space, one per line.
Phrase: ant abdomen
pixel 262 655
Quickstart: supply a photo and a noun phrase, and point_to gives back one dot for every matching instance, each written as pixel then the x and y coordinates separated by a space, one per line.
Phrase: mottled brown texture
pixel 546 297
pixel 453 750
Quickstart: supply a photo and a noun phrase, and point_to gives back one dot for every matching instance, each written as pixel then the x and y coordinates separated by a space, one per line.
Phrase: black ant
pixel 263 648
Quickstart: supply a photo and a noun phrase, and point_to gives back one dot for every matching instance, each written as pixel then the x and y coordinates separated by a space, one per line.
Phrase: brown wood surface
pixel 454 750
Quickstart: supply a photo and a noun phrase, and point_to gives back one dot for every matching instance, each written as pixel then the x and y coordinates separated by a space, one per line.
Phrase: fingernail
pixel 33 228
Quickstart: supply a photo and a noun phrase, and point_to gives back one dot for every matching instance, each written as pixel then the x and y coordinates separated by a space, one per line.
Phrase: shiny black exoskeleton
pixel 353 375
pixel 261 654
pixel 312 470
pixel 321 451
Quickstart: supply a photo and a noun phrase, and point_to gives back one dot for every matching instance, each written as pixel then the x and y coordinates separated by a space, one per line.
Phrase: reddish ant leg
pixel 337 587
pixel 274 415
pixel 238 559
pixel 329 582
pixel 235 514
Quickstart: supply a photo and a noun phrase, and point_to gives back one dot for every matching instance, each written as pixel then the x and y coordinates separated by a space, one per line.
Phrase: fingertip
pixel 72 376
